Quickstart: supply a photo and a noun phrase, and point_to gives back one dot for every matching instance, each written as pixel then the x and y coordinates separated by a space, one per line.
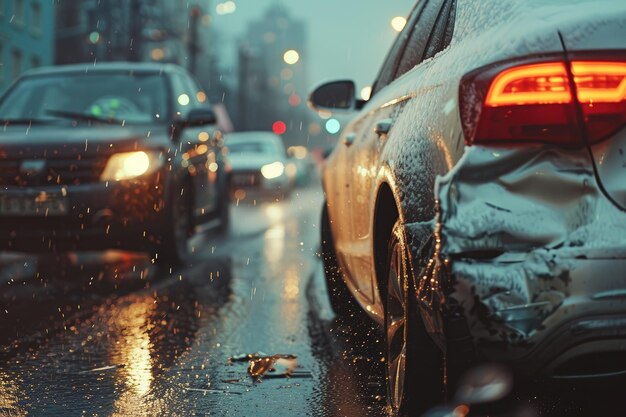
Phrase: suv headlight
pixel 127 165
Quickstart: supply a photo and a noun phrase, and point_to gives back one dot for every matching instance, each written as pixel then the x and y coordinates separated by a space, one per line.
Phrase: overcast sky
pixel 347 38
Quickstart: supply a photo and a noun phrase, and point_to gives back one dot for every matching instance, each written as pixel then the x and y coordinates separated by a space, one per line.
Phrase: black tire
pixel 173 250
pixel 342 302
pixel 414 364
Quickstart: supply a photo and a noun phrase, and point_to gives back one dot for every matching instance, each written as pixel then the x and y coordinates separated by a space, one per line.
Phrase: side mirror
pixel 336 95
pixel 200 117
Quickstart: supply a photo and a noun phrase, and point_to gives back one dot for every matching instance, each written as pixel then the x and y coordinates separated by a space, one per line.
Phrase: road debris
pixel 103 368
pixel 213 391
pixel 271 366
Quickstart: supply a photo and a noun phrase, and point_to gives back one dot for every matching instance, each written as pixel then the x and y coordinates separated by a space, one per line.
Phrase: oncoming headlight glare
pixel 127 165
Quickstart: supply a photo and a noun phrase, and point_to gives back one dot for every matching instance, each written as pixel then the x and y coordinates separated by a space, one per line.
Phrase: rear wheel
pixel 341 300
pixel 414 364
pixel 174 247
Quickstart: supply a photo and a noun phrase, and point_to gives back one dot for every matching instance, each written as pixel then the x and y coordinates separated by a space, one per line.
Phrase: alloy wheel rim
pixel 396 329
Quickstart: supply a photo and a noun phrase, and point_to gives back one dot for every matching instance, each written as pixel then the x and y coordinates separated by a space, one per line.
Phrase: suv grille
pixel 55 172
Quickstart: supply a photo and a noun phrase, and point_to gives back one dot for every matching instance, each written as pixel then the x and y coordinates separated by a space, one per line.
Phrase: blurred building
pixel 169 31
pixel 121 30
pixel 272 77
pixel 26 37
pixel 204 47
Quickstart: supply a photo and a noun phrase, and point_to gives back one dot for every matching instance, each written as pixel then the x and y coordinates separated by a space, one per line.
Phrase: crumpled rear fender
pixel 524 243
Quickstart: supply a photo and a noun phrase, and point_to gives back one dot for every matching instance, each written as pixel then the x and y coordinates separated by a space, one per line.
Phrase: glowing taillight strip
pixel 497 96
pixel 598 69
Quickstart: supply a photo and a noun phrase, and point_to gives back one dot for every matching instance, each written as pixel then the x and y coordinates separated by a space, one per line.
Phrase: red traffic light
pixel 279 127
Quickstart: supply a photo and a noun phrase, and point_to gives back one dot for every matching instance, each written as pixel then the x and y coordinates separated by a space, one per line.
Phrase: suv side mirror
pixel 334 95
pixel 200 117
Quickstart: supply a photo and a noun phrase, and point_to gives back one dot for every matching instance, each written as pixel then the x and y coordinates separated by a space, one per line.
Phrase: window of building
pixel 18 11
pixel 16 63
pixel 35 26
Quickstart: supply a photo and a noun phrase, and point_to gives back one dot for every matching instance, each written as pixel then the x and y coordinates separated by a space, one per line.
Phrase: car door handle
pixel 349 139
pixel 383 127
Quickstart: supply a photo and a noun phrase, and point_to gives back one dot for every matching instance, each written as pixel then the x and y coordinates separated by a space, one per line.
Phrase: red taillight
pixel 530 84
pixel 601 90
pixel 534 102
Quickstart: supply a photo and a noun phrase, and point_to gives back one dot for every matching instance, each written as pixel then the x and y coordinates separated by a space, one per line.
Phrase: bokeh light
pixel 366 93
pixel 324 114
pixel 291 57
pixel 157 54
pixel 315 129
pixel 201 96
pixel 333 126
pixel 294 100
pixel 279 127
pixel 94 37
pixel 286 74
pixel 183 100
pixel 227 7
pixel 398 23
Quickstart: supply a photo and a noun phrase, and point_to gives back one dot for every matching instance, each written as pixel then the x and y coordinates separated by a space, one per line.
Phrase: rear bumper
pixel 532 263
pixel 125 215
pixel 544 324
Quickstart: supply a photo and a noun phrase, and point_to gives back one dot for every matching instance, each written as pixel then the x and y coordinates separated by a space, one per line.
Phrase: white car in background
pixel 260 165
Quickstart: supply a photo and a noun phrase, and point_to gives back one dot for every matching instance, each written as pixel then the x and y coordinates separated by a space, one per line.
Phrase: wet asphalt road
pixel 88 334
pixel 111 334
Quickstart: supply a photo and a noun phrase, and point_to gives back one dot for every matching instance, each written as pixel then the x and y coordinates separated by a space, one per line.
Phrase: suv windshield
pixel 138 98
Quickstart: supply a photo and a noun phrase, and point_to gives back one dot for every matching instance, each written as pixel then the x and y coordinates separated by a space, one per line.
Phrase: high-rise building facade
pixel 26 37
pixel 273 75
pixel 121 30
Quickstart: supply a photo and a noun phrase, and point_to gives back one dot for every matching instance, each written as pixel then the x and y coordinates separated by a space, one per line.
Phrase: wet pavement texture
pixel 112 334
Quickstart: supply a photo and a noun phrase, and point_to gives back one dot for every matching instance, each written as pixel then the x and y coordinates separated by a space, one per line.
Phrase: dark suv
pixel 109 156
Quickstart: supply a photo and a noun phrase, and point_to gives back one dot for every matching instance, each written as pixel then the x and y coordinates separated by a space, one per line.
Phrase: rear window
pixel 252 148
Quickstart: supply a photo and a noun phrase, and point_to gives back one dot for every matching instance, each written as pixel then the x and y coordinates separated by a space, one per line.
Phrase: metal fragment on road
pixel 103 368
pixel 213 391
pixel 271 366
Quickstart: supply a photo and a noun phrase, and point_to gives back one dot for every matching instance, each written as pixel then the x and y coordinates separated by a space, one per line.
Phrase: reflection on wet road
pixel 92 334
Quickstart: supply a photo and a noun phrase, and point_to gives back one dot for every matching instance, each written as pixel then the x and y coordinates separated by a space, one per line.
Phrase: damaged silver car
pixel 476 203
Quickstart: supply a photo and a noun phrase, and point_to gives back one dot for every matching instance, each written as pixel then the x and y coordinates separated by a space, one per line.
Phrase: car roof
pixel 104 67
